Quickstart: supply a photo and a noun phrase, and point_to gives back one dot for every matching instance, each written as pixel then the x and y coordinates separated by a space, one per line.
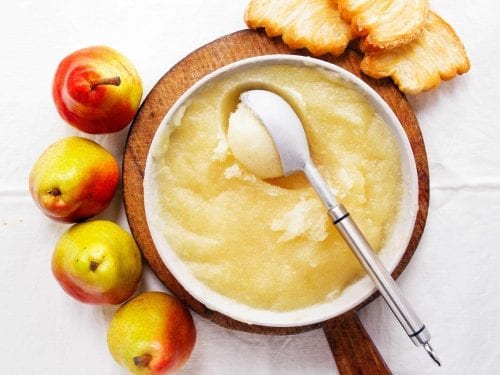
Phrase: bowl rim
pixel 351 296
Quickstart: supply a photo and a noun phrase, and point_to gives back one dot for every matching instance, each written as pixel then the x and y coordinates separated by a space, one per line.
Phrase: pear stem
pixel 115 81
pixel 55 192
pixel 142 360
pixel 93 265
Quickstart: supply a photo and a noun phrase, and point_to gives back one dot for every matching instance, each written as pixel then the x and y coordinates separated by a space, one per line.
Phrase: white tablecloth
pixel 453 279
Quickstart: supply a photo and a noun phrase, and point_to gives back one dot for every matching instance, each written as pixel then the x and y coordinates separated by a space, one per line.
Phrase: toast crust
pixel 312 24
pixel 436 55
pixel 384 24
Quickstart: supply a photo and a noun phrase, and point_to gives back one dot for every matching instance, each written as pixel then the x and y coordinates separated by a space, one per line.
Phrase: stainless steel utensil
pixel 287 133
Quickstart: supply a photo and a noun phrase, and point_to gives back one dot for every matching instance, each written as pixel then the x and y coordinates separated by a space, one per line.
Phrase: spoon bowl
pixel 284 127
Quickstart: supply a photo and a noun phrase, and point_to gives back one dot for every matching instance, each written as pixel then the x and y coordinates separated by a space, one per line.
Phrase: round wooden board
pixel 228 49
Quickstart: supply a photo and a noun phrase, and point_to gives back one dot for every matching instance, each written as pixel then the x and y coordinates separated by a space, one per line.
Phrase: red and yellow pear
pixel 74 179
pixel 97 90
pixel 97 262
pixel 152 333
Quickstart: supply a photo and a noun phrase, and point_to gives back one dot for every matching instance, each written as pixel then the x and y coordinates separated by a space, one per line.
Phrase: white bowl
pixel 356 293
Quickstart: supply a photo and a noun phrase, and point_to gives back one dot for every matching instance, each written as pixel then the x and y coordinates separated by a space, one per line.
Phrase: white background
pixel 453 279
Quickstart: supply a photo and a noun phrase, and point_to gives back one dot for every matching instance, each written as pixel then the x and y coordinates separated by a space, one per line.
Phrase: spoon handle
pixel 383 280
pixel 386 285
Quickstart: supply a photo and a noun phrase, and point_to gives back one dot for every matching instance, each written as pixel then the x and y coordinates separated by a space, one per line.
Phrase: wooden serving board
pixel 353 350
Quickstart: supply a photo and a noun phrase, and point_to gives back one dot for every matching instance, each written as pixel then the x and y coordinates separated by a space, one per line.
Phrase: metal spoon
pixel 287 133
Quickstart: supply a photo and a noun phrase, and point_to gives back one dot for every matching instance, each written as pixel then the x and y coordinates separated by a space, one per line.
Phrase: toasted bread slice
pixel 437 54
pixel 312 24
pixel 385 24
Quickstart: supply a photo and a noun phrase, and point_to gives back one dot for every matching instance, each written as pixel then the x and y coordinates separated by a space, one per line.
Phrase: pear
pixel 152 333
pixel 74 179
pixel 97 262
pixel 97 90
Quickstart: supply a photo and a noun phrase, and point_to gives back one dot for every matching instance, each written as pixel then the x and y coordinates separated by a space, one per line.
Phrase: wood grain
pixel 228 49
pixel 352 348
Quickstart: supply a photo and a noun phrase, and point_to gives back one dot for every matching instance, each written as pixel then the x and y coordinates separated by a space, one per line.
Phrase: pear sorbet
pixel 268 243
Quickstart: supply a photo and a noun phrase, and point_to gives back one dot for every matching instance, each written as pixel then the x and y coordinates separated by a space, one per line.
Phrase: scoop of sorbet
pixel 252 145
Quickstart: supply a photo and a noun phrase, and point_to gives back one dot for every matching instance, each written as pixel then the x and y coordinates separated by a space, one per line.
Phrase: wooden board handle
pixel 353 350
